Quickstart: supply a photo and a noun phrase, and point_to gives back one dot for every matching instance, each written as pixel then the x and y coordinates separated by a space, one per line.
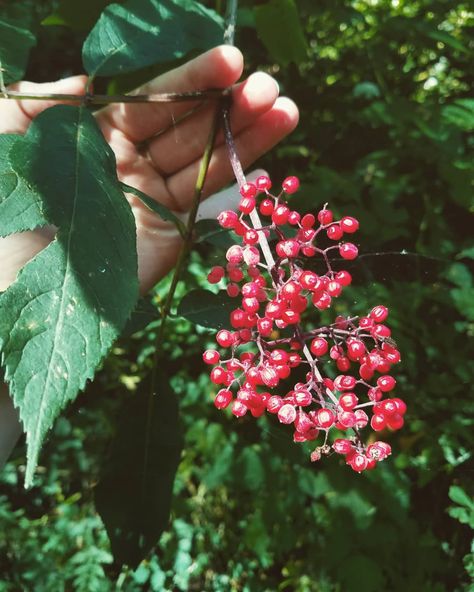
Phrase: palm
pixel 161 158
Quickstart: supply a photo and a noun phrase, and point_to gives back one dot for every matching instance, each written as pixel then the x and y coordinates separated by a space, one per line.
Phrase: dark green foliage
pixel 134 493
pixel 385 121
pixel 143 32
pixel 207 309
pixel 16 40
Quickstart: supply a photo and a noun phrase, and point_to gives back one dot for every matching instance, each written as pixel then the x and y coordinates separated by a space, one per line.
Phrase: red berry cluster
pixel 275 285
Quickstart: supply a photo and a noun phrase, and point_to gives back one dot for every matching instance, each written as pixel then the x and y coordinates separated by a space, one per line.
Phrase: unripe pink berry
pixel 234 254
pixel 348 401
pixel 287 414
pixel 274 404
pixel 325 418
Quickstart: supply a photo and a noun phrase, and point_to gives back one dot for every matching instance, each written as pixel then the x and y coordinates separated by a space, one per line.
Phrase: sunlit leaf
pixel 143 32
pixel 69 303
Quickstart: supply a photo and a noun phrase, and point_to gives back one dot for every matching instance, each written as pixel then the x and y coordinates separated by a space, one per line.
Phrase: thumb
pixel 17 114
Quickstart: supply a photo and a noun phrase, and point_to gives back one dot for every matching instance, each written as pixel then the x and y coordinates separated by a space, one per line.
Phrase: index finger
pixel 219 67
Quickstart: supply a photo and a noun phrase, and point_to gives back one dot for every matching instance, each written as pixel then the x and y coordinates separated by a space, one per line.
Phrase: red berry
pixel 291 185
pixel 379 313
pixel 211 356
pixel 248 190
pixel 280 215
pixel 395 421
pixel 343 277
pixel 219 375
pixel 238 408
pixel 386 383
pixel 225 338
pixel 355 349
pixel 342 446
pixel 348 401
pixel 223 398
pixel 325 217
pixel 263 183
pixel 293 218
pixel 307 221
pixel 227 219
pixel 378 422
pixel 349 224
pixel 348 251
pixel 247 204
pixel 334 232
pixel 319 346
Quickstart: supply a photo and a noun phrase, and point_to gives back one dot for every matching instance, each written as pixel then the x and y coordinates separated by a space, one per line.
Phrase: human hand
pixel 161 157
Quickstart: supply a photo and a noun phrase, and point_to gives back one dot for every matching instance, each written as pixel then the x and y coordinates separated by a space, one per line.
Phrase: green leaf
pixel 459 496
pixel 205 308
pixel 210 231
pixel 279 28
pixel 20 205
pixel 70 302
pixel 460 113
pixel 133 497
pixel 79 16
pixel 157 207
pixel 142 315
pixel 145 32
pixel 16 40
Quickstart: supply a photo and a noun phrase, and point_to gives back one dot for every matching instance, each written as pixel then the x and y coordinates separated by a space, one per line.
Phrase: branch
pixel 91 99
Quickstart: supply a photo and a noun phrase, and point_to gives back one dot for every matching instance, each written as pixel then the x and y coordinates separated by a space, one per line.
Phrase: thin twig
pixel 182 257
pixel 92 99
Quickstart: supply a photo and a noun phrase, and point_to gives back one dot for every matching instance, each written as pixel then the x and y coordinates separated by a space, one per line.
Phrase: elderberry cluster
pixel 273 275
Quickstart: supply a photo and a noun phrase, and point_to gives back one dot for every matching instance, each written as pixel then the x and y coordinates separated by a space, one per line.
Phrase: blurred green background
pixel 387 114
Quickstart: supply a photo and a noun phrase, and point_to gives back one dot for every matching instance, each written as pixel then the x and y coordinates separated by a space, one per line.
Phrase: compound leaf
pixel 143 32
pixel 133 496
pixel 69 303
pixel 16 40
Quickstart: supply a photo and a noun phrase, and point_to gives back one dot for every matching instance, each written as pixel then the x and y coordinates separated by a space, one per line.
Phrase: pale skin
pixel 166 171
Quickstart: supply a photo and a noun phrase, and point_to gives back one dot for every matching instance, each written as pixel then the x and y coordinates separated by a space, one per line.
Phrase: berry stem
pixel 240 177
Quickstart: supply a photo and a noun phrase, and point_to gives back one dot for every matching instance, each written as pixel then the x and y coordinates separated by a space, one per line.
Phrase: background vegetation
pixel 386 116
